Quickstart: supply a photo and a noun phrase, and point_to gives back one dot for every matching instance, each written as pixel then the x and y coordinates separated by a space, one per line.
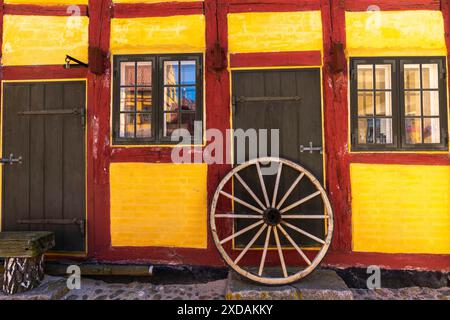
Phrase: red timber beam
pixel 335 88
pixel 276 59
pixel 392 5
pixel 139 10
pixel 47 10
pixel 98 144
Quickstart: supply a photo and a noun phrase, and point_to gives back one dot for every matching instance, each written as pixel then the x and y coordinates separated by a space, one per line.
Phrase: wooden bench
pixel 24 259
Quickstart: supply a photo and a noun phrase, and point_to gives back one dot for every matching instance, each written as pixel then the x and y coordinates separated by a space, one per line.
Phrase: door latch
pixel 311 148
pixel 11 160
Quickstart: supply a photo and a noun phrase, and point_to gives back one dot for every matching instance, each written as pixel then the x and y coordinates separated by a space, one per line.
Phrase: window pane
pixel 383 131
pixel 412 103
pixel 171 72
pixel 188 98
pixel 431 130
pixel 170 123
pixel 127 73
pixel 127 99
pixel 365 76
pixel 365 103
pixel 365 131
pixel 188 72
pixel 144 99
pixel 430 76
pixel 383 76
pixel 143 125
pixel 171 97
pixel 431 103
pixel 412 76
pixel 413 131
pixel 383 102
pixel 126 125
pixel 144 73
pixel 187 122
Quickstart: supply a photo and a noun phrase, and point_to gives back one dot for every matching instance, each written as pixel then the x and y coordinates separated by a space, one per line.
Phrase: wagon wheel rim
pixel 266 228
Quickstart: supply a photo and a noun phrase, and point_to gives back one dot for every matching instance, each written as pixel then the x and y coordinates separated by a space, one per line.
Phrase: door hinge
pixel 79 222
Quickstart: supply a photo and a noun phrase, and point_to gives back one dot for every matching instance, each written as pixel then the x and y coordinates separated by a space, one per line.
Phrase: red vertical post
pixel 335 87
pixel 217 88
pixel 98 146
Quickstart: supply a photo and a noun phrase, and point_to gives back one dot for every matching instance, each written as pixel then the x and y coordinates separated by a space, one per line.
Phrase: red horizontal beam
pixel 140 10
pixel 435 262
pixel 41 72
pixel 51 10
pixel 236 6
pixel 399 158
pixel 386 5
pixel 276 59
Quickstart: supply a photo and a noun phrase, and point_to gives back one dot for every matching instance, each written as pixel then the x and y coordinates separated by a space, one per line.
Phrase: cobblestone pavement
pixel 412 293
pixel 98 290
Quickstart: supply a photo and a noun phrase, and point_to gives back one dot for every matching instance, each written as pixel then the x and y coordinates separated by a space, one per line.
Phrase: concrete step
pixel 320 285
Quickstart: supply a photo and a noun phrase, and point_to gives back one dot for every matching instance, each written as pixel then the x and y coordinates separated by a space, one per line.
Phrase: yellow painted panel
pixel 175 34
pixel 275 31
pixel 401 208
pixel 42 40
pixel 158 205
pixel 49 2
pixel 394 33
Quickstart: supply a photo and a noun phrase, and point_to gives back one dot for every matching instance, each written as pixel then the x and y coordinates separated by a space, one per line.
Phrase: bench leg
pixel 23 274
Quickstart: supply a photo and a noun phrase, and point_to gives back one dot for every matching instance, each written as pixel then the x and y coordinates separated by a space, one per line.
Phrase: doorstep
pixel 320 285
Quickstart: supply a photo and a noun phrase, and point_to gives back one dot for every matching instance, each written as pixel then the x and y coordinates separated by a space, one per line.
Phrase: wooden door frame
pixel 232 121
pixel 46 81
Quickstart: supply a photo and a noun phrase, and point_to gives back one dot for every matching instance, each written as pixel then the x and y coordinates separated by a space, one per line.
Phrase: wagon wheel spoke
pixel 245 185
pixel 277 185
pixel 280 252
pixel 246 204
pixel 296 204
pixel 238 216
pixel 250 244
pixel 263 185
pixel 303 216
pixel 309 235
pixel 263 257
pixel 300 251
pixel 236 234
pixel 292 187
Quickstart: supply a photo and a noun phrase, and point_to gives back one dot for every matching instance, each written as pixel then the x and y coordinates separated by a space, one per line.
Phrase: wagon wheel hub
pixel 272 217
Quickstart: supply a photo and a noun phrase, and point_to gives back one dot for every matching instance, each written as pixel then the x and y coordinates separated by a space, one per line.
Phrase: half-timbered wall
pixel 126 223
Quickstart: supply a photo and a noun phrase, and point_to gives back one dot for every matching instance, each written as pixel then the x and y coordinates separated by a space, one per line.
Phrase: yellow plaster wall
pixel 175 34
pixel 274 31
pixel 43 40
pixel 395 33
pixel 158 205
pixel 49 2
pixel 401 208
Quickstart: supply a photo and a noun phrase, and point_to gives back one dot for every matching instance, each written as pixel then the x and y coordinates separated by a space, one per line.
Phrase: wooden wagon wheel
pixel 271 216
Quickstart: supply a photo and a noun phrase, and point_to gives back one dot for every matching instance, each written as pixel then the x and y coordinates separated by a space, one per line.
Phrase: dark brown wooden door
pixel 44 124
pixel 290 101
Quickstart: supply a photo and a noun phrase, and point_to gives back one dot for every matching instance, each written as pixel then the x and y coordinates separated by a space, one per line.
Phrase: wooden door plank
pixel 16 141
pixel 53 168
pixel 73 169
